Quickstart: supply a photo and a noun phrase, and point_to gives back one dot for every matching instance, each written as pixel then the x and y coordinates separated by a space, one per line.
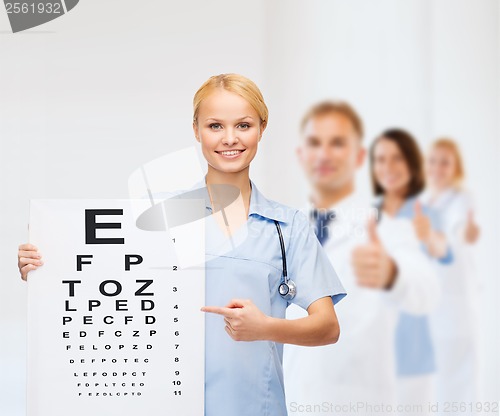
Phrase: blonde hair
pixel 238 84
pixel 452 146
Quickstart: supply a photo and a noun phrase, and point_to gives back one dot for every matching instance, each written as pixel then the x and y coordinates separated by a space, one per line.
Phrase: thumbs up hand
pixel 471 232
pixel 434 241
pixel 372 265
pixel 421 224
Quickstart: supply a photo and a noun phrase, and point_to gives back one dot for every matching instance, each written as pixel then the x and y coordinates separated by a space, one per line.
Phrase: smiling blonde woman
pixel 245 322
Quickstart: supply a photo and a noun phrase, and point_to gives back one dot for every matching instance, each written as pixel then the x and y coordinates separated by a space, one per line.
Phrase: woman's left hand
pixel 244 320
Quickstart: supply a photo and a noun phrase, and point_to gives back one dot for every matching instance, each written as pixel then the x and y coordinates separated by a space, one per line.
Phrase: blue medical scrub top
pixel 246 378
pixel 414 348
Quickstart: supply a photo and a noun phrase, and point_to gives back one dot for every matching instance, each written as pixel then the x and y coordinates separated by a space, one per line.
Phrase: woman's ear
pixel 263 126
pixel 195 130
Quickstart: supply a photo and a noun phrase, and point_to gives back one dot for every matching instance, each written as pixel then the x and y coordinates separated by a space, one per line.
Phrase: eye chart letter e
pixel 114 323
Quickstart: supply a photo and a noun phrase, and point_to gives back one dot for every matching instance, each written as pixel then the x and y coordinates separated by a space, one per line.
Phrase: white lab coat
pixel 360 367
pixel 454 323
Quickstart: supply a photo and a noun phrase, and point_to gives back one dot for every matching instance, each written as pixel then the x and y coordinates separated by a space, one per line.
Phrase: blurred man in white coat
pixel 380 264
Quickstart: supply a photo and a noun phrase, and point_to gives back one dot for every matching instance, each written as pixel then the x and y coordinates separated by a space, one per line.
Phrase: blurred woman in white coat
pixel 454 323
pixel 398 178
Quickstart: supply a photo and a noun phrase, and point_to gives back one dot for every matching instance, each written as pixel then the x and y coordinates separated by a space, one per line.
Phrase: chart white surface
pixel 114 324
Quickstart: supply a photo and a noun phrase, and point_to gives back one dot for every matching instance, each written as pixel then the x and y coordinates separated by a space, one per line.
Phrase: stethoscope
pixel 287 288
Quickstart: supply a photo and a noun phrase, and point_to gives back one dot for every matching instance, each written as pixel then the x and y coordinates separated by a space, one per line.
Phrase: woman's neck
pixel 393 202
pixel 436 191
pixel 240 180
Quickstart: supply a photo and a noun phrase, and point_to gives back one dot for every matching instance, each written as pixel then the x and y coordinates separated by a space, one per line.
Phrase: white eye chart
pixel 114 322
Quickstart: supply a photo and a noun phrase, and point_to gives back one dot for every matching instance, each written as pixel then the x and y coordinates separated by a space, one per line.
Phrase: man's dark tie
pixel 321 219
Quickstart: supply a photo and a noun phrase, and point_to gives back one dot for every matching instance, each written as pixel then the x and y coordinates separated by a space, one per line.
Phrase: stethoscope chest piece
pixel 287 290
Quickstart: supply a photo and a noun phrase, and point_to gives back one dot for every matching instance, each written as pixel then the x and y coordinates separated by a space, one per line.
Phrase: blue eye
pixel 215 126
pixel 244 125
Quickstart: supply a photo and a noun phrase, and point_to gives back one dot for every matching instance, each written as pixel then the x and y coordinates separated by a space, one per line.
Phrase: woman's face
pixel 390 168
pixel 229 130
pixel 441 168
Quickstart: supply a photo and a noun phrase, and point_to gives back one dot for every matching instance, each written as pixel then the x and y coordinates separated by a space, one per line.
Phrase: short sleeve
pixel 309 266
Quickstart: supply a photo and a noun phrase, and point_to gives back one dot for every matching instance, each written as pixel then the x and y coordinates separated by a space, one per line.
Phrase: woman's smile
pixel 230 154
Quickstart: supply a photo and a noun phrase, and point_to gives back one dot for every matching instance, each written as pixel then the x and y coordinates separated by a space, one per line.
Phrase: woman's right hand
pixel 28 258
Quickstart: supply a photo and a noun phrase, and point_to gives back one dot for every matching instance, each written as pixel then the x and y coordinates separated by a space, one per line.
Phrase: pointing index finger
pixel 219 310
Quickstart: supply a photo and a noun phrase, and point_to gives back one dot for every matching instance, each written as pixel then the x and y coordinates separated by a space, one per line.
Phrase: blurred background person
pixel 382 268
pixel 397 173
pixel 454 323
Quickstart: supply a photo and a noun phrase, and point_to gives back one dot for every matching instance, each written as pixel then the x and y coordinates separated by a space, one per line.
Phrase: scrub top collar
pixel 408 207
pixel 259 204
